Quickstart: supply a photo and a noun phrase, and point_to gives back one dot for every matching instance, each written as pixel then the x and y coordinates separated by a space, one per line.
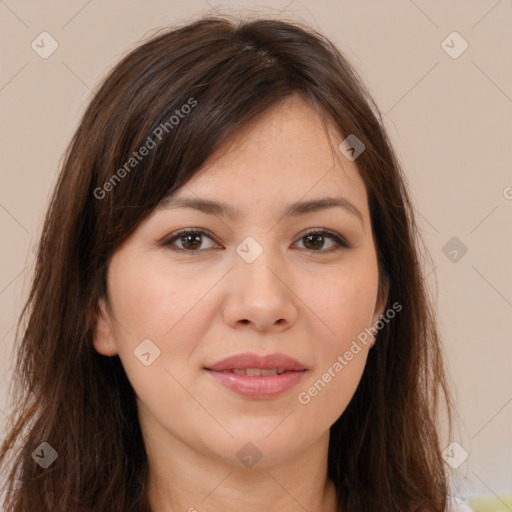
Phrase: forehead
pixel 286 155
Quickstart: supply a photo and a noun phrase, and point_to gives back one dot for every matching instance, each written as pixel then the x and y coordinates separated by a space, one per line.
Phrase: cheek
pixel 345 303
pixel 160 305
pixel 345 306
pixel 153 302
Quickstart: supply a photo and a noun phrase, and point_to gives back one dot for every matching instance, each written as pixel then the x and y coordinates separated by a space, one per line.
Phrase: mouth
pixel 253 364
pixel 255 372
pixel 257 376
pixel 257 383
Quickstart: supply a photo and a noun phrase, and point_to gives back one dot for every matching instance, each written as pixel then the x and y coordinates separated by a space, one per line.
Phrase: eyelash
pixel 339 240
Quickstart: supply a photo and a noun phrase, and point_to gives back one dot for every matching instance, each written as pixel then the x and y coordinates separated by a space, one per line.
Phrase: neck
pixel 183 478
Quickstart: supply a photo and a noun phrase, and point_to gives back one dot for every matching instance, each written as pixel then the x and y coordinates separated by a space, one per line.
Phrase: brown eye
pixel 190 240
pixel 315 241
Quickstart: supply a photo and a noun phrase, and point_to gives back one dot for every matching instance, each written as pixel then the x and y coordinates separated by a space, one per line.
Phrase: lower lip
pixel 258 387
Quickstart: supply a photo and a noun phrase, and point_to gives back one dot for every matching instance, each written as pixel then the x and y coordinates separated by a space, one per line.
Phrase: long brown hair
pixel 384 450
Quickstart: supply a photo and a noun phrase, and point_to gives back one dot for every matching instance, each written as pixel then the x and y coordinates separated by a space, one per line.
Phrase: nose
pixel 259 295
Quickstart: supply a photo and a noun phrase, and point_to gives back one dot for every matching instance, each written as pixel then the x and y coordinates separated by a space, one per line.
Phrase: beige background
pixel 450 120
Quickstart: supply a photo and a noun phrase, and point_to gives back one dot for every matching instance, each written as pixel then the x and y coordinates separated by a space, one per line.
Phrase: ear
pixel 103 332
pixel 382 300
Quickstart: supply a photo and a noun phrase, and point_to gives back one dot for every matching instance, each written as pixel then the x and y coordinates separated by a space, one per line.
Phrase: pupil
pixel 318 237
pixel 187 237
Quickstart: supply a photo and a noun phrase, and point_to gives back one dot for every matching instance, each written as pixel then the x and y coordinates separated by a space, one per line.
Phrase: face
pixel 258 282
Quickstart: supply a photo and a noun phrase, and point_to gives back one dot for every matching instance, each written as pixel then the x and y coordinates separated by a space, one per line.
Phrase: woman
pixel 228 310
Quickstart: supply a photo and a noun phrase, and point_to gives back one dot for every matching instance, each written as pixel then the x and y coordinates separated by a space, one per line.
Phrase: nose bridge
pixel 260 294
pixel 256 260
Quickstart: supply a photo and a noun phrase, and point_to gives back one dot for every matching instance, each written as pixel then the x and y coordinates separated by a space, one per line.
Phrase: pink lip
pixel 258 387
pixel 250 360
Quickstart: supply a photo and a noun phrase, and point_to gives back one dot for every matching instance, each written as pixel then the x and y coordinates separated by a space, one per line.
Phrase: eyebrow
pixel 291 210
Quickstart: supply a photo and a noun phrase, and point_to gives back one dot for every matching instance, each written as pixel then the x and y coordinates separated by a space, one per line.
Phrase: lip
pixel 252 360
pixel 262 387
pixel 257 387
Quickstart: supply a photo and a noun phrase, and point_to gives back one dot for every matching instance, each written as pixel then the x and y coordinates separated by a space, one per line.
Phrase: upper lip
pixel 250 360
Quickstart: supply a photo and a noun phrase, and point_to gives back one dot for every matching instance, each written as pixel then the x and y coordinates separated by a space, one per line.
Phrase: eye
pixel 191 240
pixel 315 240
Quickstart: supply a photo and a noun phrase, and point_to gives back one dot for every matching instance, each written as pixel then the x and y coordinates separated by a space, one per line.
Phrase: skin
pixel 298 298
